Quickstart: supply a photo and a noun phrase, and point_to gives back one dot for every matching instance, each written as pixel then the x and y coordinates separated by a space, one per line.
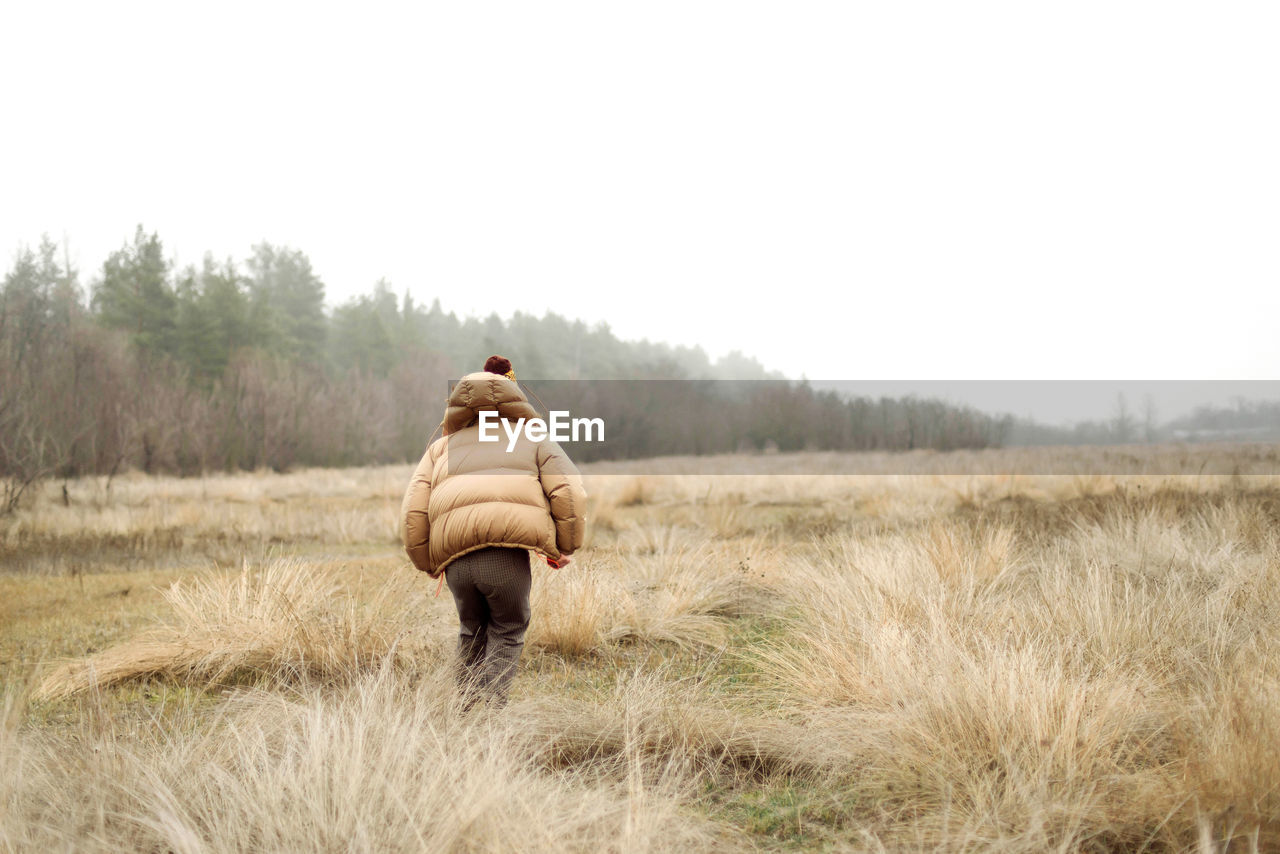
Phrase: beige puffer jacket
pixel 467 494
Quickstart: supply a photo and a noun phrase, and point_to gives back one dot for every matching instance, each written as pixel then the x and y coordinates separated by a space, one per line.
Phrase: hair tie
pixel 511 375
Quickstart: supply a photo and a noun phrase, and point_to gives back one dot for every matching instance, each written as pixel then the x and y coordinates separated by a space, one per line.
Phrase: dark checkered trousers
pixel 490 586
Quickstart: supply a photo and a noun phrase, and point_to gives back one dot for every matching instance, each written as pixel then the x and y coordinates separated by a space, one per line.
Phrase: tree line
pixel 239 365
pixel 653 416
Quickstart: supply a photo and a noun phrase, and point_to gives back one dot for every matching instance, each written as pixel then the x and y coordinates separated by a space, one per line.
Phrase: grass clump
pixel 284 620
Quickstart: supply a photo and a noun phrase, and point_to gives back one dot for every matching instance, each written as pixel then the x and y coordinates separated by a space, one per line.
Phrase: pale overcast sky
pixel 844 190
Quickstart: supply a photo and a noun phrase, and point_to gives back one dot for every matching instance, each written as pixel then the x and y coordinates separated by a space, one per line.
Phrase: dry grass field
pixel 762 661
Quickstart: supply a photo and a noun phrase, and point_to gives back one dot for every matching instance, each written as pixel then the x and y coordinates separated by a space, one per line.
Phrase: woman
pixel 475 509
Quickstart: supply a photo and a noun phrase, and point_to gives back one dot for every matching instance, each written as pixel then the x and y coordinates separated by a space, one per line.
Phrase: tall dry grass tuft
pixel 385 764
pixel 288 619
pixel 576 610
pixel 672 720
pixel 963 556
pixel 1111 687
pixel 661 586
pixel 636 491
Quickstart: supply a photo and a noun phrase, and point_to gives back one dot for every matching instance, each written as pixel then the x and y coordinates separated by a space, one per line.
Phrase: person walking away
pixel 475 512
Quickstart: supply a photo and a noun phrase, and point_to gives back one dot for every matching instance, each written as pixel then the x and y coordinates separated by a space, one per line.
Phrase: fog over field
pixel 1066 401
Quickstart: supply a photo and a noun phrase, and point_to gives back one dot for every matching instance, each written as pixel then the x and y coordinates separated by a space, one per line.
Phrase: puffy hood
pixel 481 391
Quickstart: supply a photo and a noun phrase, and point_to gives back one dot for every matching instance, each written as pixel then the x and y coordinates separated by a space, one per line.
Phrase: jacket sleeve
pixel 415 526
pixel 562 484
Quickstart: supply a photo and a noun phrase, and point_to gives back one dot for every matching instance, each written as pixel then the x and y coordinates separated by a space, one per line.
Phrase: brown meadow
pixel 753 661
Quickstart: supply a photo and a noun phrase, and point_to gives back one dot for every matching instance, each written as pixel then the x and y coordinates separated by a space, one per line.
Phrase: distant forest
pixel 1245 421
pixel 239 365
